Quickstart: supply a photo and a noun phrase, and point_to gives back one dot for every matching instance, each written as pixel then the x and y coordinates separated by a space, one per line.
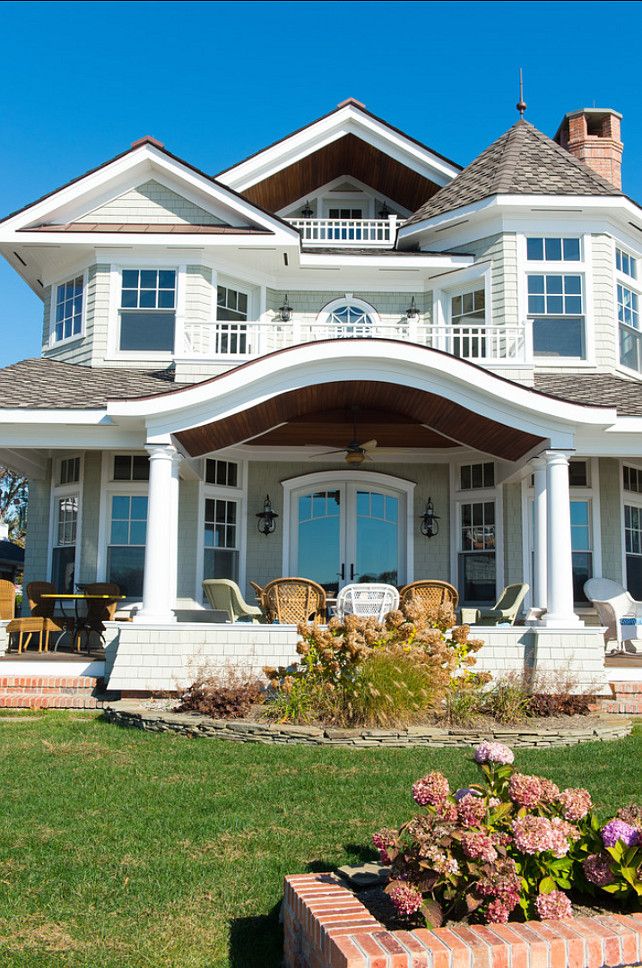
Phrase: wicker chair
pixel 41 622
pixel 289 601
pixel 367 599
pixel 7 601
pixel 430 592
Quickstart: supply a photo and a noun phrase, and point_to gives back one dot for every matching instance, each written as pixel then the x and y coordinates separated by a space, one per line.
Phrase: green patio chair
pixel 503 612
pixel 225 596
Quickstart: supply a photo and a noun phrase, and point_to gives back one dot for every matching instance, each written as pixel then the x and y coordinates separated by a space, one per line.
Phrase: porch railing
pixel 238 340
pixel 360 232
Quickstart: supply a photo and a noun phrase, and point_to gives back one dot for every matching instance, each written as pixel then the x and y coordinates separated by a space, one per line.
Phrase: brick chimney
pixel 593 136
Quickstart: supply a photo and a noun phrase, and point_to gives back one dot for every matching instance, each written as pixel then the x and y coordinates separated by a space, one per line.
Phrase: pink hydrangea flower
pixel 406 898
pixel 477 845
pixel 431 789
pixel 488 752
pixel 597 868
pixel 616 830
pixel 553 906
pixel 497 912
pixel 550 791
pixel 471 810
pixel 383 840
pixel 446 810
pixel 533 835
pixel 524 790
pixel 576 803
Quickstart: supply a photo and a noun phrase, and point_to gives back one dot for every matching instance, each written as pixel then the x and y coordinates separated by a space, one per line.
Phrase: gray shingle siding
pixel 152 203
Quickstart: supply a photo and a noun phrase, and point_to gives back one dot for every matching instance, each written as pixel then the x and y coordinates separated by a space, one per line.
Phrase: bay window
pixel 148 310
pixel 628 311
pixel 68 310
pixel 556 311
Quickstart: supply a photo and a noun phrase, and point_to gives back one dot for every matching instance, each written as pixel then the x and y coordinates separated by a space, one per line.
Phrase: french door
pixel 348 532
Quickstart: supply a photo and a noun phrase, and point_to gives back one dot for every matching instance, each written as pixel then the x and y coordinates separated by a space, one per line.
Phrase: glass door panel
pixel 376 553
pixel 319 538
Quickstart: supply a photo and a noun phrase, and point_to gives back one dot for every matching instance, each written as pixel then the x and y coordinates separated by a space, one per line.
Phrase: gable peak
pixel 351 100
pixel 147 139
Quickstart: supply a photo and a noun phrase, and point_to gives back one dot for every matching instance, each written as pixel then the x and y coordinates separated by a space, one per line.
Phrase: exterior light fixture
pixel 307 211
pixel 267 518
pixel 412 312
pixel 285 311
pixel 384 211
pixel 429 521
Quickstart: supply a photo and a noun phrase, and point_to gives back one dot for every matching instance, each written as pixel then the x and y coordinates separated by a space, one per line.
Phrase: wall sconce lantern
pixel 267 518
pixel 285 311
pixel 307 211
pixel 412 312
pixel 429 521
pixel 384 211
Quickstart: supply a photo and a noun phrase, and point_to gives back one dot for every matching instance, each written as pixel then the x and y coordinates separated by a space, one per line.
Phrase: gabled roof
pixel 523 161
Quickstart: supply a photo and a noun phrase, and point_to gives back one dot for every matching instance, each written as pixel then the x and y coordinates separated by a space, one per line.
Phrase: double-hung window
pixel 477 534
pixel 66 509
pixel 68 309
pixel 148 310
pixel 628 294
pixel 231 315
pixel 556 296
pixel 632 484
pixel 467 313
pixel 127 523
pixel 222 519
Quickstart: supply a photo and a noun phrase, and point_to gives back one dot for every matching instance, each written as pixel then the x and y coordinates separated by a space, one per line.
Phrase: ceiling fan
pixel 355 453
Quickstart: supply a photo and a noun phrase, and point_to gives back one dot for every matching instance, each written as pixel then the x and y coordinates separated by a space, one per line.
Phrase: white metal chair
pixel 367 599
pixel 616 609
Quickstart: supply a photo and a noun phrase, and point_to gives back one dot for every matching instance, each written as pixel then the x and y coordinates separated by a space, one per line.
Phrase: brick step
pixel 626 688
pixel 46 691
pixel 26 683
pixel 19 700
pixel 622 706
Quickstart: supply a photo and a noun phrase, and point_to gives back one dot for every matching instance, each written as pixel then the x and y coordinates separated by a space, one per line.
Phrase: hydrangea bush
pixel 509 847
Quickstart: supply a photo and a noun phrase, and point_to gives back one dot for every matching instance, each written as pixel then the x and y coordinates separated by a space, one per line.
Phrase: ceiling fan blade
pixel 326 453
pixel 369 445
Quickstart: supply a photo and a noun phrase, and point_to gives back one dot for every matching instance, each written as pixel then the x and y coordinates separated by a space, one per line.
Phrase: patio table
pixel 79 621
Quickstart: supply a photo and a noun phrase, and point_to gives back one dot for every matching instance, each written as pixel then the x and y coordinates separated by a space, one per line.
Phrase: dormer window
pixel 148 310
pixel 68 322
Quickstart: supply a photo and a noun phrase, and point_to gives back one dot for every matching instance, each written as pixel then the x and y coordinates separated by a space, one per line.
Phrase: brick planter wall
pixel 325 926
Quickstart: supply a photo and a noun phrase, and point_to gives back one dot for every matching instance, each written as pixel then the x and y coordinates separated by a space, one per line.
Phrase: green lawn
pixel 121 849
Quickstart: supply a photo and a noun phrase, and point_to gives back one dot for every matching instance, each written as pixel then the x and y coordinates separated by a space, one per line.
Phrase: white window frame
pixel 627 497
pixel 237 494
pixel 324 318
pixel 115 291
pixel 52 342
pixel 583 268
pixel 108 488
pixel 462 281
pixel 634 285
pixel 561 236
pixel 57 492
pixel 477 495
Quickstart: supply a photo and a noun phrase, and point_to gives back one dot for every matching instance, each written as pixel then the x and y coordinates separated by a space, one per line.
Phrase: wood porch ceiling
pixel 347 156
pixel 311 416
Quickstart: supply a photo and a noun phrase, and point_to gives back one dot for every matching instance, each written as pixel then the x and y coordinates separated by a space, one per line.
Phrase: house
pixel 213 346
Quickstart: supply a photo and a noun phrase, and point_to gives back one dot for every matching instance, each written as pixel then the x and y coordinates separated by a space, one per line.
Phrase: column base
pixel 155 618
pixel 549 620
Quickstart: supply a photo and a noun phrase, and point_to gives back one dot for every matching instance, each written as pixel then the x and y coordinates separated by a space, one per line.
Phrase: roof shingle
pixel 523 161
pixel 593 389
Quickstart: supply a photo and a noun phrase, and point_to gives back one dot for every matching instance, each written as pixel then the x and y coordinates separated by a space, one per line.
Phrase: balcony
pixel 372 233
pixel 222 341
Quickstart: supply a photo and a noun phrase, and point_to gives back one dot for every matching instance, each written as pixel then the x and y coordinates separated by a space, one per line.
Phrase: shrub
pixel 510 846
pixel 508 700
pixel 225 696
pixel 464 698
pixel 559 704
pixel 341 675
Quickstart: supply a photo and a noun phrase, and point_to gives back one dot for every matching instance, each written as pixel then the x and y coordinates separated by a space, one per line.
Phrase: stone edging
pixel 133 714
pixel 326 926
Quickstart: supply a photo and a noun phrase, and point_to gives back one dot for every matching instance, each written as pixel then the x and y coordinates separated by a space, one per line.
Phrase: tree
pixel 14 495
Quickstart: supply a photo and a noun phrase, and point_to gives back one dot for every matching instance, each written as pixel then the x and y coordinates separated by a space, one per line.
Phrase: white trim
pixel 328 478
pixel 58 491
pixel 324 316
pixel 52 343
pixel 238 494
pixel 477 495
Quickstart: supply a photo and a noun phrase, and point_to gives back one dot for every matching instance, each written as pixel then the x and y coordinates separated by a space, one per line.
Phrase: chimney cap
pixel 593 112
pixel 147 139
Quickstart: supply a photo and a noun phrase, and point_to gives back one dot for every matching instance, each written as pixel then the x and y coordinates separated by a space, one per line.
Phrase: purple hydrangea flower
pixel 494 753
pixel 616 830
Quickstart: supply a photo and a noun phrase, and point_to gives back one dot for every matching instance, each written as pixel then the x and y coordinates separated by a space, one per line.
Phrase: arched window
pixel 349 317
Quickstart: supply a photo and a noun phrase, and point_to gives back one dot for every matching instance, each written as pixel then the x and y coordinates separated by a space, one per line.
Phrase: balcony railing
pixel 236 340
pixel 368 232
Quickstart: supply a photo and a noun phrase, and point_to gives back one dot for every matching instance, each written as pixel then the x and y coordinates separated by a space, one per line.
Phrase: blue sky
pixel 217 81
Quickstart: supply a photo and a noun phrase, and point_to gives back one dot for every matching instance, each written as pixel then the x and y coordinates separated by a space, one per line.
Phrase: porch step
pixel 627 699
pixel 52 692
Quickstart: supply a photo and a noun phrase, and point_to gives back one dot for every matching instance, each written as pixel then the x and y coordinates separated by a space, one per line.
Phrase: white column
pixel 540 591
pixel 559 556
pixel 159 582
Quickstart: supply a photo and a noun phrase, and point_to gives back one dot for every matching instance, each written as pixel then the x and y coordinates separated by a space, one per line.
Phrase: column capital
pixel 163 452
pixel 557 456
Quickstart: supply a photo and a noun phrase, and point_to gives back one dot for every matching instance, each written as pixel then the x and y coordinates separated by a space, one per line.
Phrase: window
pixel 231 308
pixel 628 312
pixel 540 249
pixel 222 472
pixel 633 548
pixel 626 264
pixel 131 467
pixel 126 550
pixel 63 562
pixel 148 309
pixel 221 539
pixel 632 479
pixel 69 470
pixel 555 306
pixel 68 309
pixel 350 321
pixel 345 213
pixel 472 476
pixel 477 571
pixel 578 473
pixel 581 527
pixel 468 309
